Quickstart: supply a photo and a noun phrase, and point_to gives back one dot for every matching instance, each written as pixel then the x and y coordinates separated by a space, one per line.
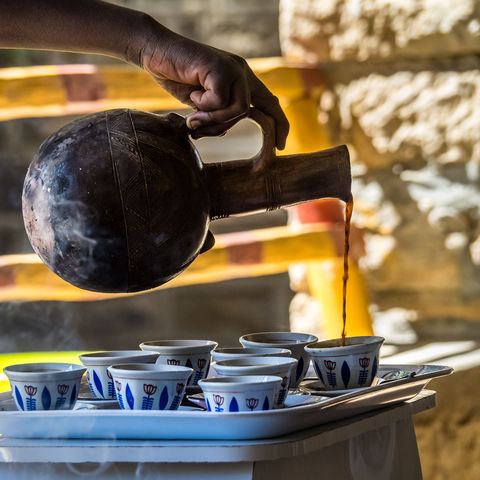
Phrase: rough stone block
pixel 343 30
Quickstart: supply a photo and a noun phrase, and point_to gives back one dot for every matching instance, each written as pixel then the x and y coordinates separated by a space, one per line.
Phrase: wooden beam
pixel 245 254
pixel 57 90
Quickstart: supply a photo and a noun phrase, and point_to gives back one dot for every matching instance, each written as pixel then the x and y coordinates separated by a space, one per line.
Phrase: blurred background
pixel 399 83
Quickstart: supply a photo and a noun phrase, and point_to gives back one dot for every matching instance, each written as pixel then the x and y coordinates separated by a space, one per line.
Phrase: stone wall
pixel 378 30
pixel 403 91
pixel 246 27
pixel 448 436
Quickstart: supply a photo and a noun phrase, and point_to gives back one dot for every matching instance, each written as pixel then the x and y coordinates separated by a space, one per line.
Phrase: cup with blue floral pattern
pixel 293 341
pixel 98 377
pixel 343 367
pixel 277 366
pixel 149 387
pixel 44 386
pixel 243 393
pixel 194 354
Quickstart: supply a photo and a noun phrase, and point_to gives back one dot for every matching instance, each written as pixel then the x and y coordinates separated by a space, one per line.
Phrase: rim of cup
pixel 148 371
pixel 278 338
pixel 335 344
pixel 105 358
pixel 173 346
pixel 43 371
pixel 232 384
pixel 253 351
pixel 257 362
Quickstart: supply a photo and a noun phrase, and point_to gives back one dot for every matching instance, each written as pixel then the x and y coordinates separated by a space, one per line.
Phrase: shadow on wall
pixel 221 312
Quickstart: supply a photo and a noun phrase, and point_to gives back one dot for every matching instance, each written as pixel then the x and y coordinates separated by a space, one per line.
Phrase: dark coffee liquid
pixel 346 248
pixel 281 341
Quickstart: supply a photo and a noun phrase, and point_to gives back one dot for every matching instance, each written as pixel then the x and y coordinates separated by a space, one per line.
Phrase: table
pixel 378 445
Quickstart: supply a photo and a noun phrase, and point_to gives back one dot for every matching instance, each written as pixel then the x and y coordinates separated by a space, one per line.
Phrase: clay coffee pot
pixel 120 201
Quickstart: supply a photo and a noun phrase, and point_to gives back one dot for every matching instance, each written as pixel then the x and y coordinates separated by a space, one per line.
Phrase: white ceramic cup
pixel 149 387
pixel 220 354
pixel 193 354
pixel 246 393
pixel 293 341
pixel 344 367
pixel 97 363
pixel 277 366
pixel 44 386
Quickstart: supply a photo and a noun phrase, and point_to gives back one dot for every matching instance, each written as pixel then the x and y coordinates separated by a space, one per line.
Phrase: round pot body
pixel 116 201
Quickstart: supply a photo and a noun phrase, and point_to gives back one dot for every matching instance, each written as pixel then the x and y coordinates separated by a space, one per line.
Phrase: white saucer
pixel 91 402
pixel 315 387
pixel 294 400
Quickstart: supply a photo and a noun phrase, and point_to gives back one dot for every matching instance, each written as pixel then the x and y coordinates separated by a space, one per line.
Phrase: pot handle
pixel 266 155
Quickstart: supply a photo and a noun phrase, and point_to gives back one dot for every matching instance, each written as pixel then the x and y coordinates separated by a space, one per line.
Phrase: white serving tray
pixel 188 424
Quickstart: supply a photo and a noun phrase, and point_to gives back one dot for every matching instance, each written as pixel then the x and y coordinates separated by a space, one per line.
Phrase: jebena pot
pixel 120 201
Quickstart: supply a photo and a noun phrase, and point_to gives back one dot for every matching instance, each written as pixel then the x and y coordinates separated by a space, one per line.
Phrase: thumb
pixel 210 99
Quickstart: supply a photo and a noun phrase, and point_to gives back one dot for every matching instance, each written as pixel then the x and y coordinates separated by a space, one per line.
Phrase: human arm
pixel 218 84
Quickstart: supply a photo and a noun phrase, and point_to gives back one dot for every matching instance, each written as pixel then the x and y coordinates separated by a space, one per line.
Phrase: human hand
pixel 219 85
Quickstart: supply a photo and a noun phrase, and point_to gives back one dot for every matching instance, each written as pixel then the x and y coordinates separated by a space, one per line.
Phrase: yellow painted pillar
pixel 325 282
pixel 306 134
pixel 325 276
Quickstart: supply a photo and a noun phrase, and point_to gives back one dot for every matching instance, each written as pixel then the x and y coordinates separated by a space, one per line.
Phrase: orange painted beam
pixel 246 254
pixel 57 90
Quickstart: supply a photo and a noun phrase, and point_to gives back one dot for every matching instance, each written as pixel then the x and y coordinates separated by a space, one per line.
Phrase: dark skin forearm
pixel 87 26
pixel 218 85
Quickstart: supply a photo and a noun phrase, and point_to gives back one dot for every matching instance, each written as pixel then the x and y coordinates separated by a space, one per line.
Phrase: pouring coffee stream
pixel 120 201
pixel 346 249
